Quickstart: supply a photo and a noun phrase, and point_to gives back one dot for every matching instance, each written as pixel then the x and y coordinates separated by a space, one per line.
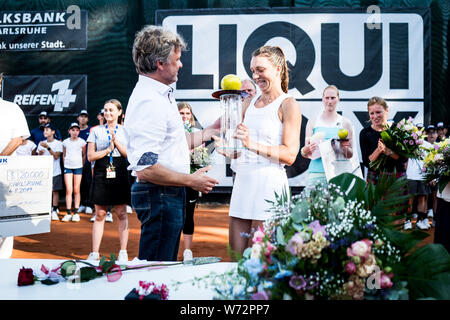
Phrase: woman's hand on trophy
pixel 243 134
pixel 219 146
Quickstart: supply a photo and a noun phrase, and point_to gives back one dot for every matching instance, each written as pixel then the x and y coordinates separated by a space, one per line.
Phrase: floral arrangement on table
pixel 200 158
pixel 404 138
pixel 338 241
pixel 437 164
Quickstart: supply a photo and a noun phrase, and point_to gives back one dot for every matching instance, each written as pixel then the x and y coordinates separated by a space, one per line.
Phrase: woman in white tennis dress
pixel 271 133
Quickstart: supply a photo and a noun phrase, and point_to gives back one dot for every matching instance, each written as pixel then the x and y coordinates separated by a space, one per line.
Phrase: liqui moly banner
pixel 63 95
pixel 365 52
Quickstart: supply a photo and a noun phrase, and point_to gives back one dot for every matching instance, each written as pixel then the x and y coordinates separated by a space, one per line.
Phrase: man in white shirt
pixel 13 130
pixel 157 146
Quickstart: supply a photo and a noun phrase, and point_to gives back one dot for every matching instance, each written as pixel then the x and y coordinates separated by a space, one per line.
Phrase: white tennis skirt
pixel 253 185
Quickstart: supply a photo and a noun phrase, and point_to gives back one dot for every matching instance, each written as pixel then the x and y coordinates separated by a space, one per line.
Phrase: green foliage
pixel 426 270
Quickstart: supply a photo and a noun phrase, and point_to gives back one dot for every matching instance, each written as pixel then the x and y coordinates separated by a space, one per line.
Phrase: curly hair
pixel 152 44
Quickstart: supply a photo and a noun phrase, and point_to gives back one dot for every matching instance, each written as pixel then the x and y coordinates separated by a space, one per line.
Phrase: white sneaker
pixel 81 209
pixel 408 225
pixel 109 217
pixel 67 218
pixel 129 209
pixel 76 217
pixel 93 218
pixel 187 255
pixel 55 215
pixel 426 223
pixel 93 256
pixel 415 216
pixel 88 210
pixel 422 225
pixel 123 256
pixel 430 213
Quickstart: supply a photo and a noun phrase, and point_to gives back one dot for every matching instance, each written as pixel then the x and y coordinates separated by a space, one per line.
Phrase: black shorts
pixel 418 187
pixel 57 183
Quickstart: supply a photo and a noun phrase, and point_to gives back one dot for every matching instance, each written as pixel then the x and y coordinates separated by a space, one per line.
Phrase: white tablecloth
pixel 100 288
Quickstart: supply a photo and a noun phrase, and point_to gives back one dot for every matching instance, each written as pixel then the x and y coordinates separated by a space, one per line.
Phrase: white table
pixel 100 288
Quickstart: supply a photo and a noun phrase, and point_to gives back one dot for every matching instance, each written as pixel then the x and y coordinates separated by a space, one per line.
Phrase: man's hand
pixel 201 182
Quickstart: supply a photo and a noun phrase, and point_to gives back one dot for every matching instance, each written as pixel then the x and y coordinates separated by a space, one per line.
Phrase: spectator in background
pixel 441 132
pixel 85 128
pixel 13 131
pixel 27 148
pixel 432 198
pixel 107 147
pixel 54 148
pixel 187 116
pixel 37 134
pixel 418 188
pixel 328 124
pixel 74 154
pixel 372 147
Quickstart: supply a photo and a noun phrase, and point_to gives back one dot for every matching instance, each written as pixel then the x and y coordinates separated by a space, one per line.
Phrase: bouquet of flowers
pixel 437 164
pixel 335 242
pixel 199 158
pixel 405 139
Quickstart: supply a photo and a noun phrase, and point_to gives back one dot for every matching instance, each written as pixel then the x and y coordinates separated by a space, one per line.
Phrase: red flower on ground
pixel 26 277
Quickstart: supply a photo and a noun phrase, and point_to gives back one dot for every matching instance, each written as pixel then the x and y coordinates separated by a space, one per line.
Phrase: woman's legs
pixel 121 211
pixel 97 228
pixel 76 190
pixel 238 229
pixel 68 180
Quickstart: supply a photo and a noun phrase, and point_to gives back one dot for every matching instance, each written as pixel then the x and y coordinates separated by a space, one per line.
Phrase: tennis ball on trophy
pixel 343 133
pixel 230 82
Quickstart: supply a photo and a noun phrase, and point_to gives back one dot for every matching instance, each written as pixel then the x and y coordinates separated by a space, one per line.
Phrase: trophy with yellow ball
pixel 231 108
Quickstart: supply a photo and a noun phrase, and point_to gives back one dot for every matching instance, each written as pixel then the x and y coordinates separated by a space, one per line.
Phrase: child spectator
pixel 26 148
pixel 54 148
pixel 74 154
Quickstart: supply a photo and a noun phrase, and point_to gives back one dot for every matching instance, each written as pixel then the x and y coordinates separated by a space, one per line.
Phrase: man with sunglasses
pixel 37 134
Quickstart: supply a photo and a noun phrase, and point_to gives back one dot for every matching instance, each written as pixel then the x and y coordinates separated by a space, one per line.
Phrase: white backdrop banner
pixel 364 53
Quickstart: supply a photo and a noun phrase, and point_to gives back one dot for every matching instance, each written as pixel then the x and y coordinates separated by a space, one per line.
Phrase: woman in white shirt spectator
pixel 74 153
pixel 110 186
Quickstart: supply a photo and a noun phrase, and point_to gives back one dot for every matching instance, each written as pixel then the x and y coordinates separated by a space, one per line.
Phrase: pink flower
pixel 260 295
pixel 350 267
pixel 360 249
pixel 258 235
pixel 385 281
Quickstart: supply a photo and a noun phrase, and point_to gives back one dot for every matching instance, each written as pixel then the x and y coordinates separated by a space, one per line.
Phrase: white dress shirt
pixel 154 125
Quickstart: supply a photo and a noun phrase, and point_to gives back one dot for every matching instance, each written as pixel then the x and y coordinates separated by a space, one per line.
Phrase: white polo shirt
pixel 13 123
pixel 154 125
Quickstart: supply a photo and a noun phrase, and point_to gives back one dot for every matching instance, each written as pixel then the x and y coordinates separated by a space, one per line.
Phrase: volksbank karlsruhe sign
pixel 57 94
pixel 43 30
pixel 384 54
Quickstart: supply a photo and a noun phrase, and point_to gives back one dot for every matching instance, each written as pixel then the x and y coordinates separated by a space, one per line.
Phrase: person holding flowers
pixel 187 116
pixel 373 147
pixel 376 155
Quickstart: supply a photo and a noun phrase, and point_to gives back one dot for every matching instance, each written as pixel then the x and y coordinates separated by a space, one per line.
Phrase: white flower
pixel 256 251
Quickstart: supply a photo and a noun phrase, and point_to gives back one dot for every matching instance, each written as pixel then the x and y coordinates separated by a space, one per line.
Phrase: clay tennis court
pixel 72 240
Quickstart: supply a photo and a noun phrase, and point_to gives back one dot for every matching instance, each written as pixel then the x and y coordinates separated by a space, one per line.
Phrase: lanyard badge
pixel 110 170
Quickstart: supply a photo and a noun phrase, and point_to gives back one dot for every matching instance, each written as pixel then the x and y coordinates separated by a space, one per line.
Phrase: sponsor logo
pixel 60 100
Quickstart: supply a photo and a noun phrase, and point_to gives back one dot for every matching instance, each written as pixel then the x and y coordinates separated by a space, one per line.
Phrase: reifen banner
pixel 63 95
pixel 365 52
pixel 43 30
